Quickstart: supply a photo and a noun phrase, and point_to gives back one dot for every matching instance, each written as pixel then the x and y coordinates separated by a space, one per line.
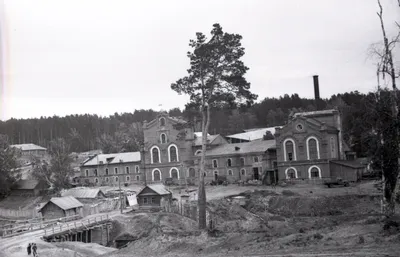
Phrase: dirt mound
pixel 143 225
pixel 322 206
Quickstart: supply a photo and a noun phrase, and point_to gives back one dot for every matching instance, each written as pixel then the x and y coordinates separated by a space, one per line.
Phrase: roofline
pixel 108 164
pixel 216 155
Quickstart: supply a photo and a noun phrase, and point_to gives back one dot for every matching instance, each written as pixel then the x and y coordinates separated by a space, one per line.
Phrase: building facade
pixel 112 169
pixel 306 145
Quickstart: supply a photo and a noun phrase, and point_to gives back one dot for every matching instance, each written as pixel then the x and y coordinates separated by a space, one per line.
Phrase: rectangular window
pixel 87 173
pixel 215 163
pixel 137 169
pixel 255 158
pixel 106 171
pixel 116 170
pixel 229 162
pixel 95 172
pixel 127 170
pixel 144 200
pixel 153 200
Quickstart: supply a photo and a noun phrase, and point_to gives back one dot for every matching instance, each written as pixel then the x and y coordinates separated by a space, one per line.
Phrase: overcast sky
pixel 73 57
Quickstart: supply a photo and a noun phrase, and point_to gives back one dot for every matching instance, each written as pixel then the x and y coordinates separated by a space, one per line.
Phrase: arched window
pixel 291 173
pixel 255 158
pixel 163 138
pixel 289 150
pixel 229 162
pixel 137 178
pixel 95 172
pixel 198 152
pixel 128 178
pixel 174 173
pixel 312 148
pixel 333 147
pixel 107 179
pixel 155 155
pixel 230 173
pixel 116 179
pixel 314 172
pixel 156 175
pixel 215 163
pixel 96 181
pixel 137 169
pixel 127 169
pixel 116 170
pixel 243 172
pixel 173 153
pixel 192 173
pixel 162 122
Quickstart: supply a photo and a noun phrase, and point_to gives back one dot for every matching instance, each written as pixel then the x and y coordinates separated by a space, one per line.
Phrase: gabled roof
pixel 29 147
pixel 259 146
pixel 316 113
pixel 65 203
pixel 157 188
pixel 210 139
pixel 254 134
pixel 113 158
pixel 82 192
pixel 27 184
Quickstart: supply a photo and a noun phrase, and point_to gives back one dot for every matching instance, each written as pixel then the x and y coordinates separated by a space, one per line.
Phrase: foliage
pixel 215 80
pixel 58 172
pixel 8 166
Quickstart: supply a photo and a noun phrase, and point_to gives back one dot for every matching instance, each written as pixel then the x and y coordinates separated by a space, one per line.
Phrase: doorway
pixel 256 174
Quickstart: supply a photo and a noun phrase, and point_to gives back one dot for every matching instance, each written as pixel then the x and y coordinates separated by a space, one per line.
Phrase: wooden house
pixel 61 207
pixel 28 187
pixel 154 196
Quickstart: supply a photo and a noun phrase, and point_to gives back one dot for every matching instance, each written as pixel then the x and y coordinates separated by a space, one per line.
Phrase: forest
pixel 88 132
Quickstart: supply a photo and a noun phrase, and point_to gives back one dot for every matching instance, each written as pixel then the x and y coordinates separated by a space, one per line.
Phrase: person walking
pixel 29 248
pixel 34 249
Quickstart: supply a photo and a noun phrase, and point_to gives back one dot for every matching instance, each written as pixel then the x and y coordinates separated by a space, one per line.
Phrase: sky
pixel 61 57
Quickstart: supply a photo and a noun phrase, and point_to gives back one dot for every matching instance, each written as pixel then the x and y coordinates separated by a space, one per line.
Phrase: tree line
pixel 122 132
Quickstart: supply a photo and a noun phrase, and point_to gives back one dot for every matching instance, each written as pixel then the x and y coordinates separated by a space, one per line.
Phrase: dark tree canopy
pixel 8 166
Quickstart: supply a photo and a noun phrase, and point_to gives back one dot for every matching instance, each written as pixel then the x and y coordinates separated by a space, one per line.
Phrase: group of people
pixel 32 248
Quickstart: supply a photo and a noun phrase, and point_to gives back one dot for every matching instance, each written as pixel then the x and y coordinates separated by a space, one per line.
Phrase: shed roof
pixel 113 158
pixel 29 147
pixel 82 192
pixel 242 148
pixel 158 188
pixel 65 203
pixel 252 135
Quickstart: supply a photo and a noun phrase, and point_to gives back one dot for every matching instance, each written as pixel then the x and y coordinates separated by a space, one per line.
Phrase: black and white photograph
pixel 174 128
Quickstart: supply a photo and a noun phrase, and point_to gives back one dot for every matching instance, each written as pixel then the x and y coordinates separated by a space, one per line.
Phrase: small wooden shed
pixel 61 207
pixel 154 197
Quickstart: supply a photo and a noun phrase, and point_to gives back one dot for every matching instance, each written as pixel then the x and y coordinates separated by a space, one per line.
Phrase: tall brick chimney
pixel 316 92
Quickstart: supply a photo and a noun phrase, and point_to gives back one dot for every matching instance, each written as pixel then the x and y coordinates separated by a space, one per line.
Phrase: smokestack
pixel 316 91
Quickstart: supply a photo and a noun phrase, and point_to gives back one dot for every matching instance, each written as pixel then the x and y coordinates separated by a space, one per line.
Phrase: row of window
pixel 313 172
pixel 229 162
pixel 174 173
pixel 313 149
pixel 107 172
pixel 172 154
pixel 127 178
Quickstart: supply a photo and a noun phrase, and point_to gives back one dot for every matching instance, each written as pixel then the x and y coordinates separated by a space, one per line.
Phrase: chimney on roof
pixel 316 92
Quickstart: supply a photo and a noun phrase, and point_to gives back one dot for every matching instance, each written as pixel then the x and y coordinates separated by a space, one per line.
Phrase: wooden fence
pixel 19 214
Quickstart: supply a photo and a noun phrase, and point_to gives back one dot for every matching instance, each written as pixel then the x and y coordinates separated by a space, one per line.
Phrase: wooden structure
pixel 154 196
pixel 28 187
pixel 59 207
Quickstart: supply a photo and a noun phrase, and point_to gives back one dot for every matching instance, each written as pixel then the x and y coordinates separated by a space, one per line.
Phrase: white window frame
pixel 294 149
pixel 152 174
pixel 162 118
pixel 170 172
pixel 198 152
pixel 128 178
pixel 254 159
pixel 319 171
pixel 169 153
pixel 245 172
pixel 295 172
pixel 137 169
pixel 86 173
pixel 308 147
pixel 96 180
pixel 151 154
pixel 107 172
